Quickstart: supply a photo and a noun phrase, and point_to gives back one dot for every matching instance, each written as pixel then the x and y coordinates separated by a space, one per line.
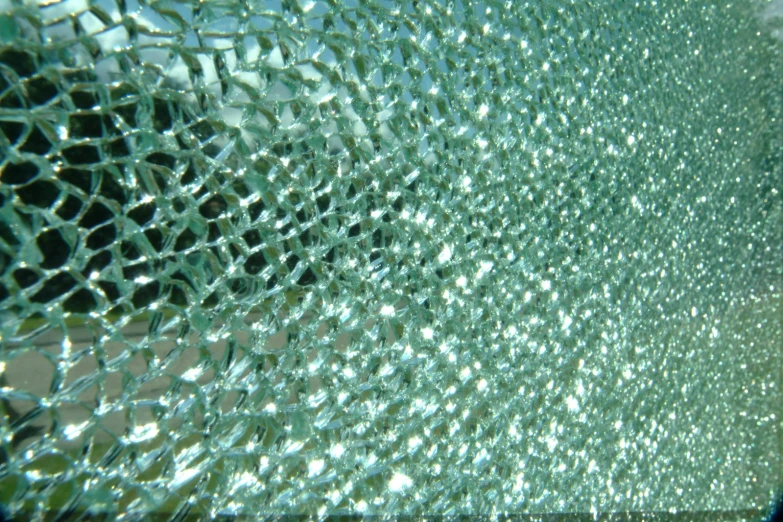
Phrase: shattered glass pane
pixel 378 257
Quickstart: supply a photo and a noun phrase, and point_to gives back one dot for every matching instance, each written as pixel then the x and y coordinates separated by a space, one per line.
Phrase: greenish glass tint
pixel 375 257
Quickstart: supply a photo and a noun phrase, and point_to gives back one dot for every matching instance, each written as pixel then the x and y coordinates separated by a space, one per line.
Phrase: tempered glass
pixel 375 257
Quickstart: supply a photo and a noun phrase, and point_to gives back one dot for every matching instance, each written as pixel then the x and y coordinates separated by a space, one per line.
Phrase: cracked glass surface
pixel 390 257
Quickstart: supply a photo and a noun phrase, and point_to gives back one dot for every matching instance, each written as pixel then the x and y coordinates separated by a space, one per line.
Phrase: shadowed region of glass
pixel 375 257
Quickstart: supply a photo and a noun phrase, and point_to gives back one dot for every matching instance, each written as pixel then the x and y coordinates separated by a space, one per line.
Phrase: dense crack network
pixel 389 257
